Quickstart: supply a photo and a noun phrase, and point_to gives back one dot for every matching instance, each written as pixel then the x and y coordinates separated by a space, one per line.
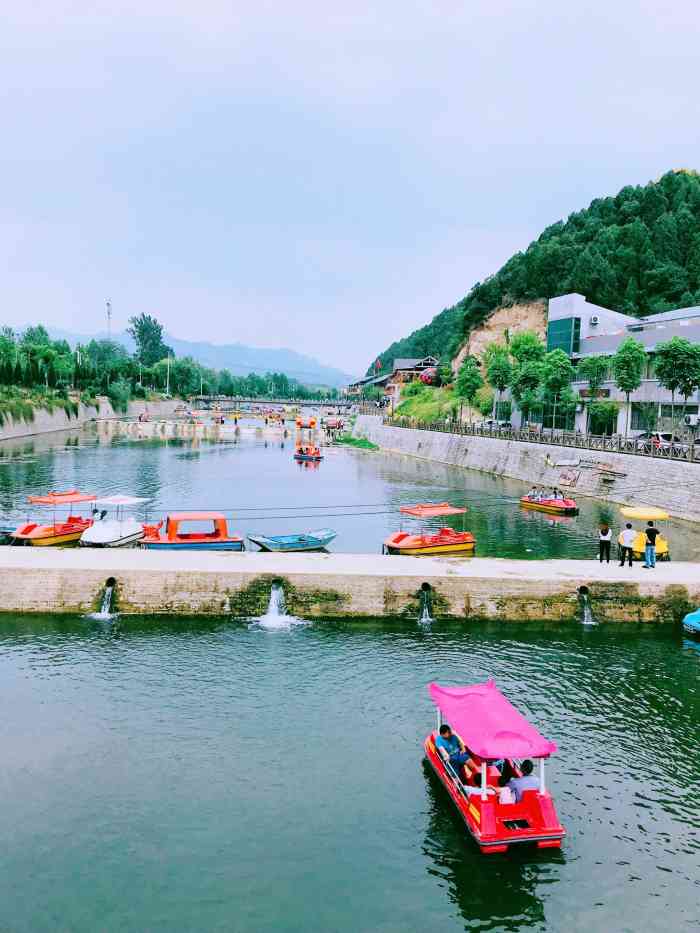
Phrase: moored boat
pixel 173 538
pixel 553 506
pixel 121 530
pixel 496 736
pixel 691 623
pixel 645 513
pixel 443 541
pixel 308 541
pixel 56 532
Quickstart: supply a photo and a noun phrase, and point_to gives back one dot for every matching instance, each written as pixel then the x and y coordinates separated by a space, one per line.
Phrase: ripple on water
pixel 190 761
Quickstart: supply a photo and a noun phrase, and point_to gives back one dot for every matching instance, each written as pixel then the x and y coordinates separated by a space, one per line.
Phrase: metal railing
pixel 616 443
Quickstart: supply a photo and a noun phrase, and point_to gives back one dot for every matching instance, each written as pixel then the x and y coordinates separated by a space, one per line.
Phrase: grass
pixel 427 403
pixel 360 442
pixel 22 404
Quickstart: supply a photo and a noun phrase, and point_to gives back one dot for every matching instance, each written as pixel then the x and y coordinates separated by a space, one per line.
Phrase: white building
pixel 583 329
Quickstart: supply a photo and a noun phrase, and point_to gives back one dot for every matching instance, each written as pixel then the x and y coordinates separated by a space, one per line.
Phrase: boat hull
pixel 281 544
pixel 691 624
pixel 487 820
pixel 417 545
pixel 551 506
pixel 235 545
pixel 302 458
pixel 49 535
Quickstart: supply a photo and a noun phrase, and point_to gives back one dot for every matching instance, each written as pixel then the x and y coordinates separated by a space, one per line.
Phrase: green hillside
pixel 637 252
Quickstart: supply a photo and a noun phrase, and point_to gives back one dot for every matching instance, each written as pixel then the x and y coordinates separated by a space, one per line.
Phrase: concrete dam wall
pixel 673 485
pixel 336 586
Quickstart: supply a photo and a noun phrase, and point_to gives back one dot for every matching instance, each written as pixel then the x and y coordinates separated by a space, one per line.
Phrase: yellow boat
pixel 648 514
pixel 57 532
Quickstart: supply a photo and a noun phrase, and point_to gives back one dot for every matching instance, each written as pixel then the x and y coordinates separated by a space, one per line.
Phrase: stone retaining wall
pixel 673 485
pixel 45 422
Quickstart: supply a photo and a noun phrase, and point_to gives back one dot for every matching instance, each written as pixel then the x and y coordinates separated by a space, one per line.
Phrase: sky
pixel 321 176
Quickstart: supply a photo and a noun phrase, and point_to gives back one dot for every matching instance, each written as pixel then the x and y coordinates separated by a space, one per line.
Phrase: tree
pixel 526 380
pixel 677 366
pixel 557 373
pixel 469 380
pixel 499 371
pixel 526 346
pixel 594 369
pixel 628 365
pixel 147 334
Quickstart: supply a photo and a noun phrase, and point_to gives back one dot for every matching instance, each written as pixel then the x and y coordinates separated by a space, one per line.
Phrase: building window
pixel 564 334
pixel 670 411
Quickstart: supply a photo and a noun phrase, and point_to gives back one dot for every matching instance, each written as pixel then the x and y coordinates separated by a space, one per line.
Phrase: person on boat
pixel 528 781
pixel 532 493
pixel 474 790
pixel 451 748
pixel 604 542
pixel 627 539
pixel 650 546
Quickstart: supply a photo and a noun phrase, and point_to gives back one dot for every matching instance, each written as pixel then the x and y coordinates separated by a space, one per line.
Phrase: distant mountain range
pixel 236 357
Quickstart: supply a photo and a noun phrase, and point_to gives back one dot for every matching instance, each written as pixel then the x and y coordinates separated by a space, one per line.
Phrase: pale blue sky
pixel 322 176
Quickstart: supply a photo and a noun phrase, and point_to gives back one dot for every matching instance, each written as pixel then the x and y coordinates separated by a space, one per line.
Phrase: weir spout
pixel 586 611
pixel 426 605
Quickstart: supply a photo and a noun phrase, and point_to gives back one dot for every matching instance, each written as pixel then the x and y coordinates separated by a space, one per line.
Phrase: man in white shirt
pixel 627 540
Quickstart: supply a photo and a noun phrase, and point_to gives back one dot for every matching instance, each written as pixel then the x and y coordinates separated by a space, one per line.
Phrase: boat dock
pixel 67 580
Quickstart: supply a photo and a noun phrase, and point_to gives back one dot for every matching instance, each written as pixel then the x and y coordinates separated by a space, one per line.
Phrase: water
pixel 276 616
pixel 425 617
pixel 256 481
pixel 586 610
pixel 201 775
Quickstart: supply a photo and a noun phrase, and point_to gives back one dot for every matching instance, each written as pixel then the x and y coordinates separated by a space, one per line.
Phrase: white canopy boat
pixel 120 530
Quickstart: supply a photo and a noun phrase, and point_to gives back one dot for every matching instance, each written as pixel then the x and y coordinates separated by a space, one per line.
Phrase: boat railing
pixel 536 434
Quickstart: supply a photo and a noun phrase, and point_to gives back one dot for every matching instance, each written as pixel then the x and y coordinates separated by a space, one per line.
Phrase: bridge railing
pixel 616 443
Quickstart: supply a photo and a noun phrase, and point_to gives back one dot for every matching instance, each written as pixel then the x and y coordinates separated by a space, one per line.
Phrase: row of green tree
pixel 31 360
pixel 541 381
pixel 637 252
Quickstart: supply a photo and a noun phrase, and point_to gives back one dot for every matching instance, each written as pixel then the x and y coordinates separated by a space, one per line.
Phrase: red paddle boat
pixel 552 506
pixel 444 541
pixel 494 731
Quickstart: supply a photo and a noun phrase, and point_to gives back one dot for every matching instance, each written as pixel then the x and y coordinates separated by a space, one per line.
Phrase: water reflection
pixel 472 879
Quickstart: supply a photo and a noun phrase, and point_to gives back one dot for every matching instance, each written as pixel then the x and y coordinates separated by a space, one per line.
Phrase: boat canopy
pixel 68 497
pixel 431 509
pixel 490 726
pixel 120 501
pixel 644 513
pixel 196 516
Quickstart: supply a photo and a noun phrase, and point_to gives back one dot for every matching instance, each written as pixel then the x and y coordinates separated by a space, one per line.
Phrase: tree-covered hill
pixel 637 252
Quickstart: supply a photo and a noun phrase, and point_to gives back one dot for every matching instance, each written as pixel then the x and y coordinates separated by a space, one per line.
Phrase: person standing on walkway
pixel 604 542
pixel 650 546
pixel 627 540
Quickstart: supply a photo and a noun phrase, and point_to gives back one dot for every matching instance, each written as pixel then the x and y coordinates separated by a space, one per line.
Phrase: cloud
pixel 329 175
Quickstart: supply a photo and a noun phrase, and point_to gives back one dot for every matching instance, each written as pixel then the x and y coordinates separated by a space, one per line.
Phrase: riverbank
pixel 611 477
pixel 342 585
pixel 46 422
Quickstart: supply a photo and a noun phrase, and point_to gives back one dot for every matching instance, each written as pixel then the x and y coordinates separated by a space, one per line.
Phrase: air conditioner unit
pixel 692 421
pixel 594 320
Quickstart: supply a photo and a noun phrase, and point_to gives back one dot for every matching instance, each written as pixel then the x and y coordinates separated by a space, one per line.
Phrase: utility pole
pixel 108 305
pixel 167 378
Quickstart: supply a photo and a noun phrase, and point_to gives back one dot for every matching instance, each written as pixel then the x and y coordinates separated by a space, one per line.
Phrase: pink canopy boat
pixel 497 737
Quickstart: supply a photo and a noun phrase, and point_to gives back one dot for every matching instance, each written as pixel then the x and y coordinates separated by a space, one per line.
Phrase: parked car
pixel 659 440
pixel 492 424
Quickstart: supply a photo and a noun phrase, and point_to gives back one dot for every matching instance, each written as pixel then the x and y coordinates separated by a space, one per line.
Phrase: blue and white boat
pixel 691 623
pixel 308 541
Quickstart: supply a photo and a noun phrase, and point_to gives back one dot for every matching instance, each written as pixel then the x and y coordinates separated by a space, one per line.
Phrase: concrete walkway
pixel 111 561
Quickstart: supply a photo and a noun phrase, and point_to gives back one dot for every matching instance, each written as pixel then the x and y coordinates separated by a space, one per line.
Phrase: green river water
pixel 185 776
